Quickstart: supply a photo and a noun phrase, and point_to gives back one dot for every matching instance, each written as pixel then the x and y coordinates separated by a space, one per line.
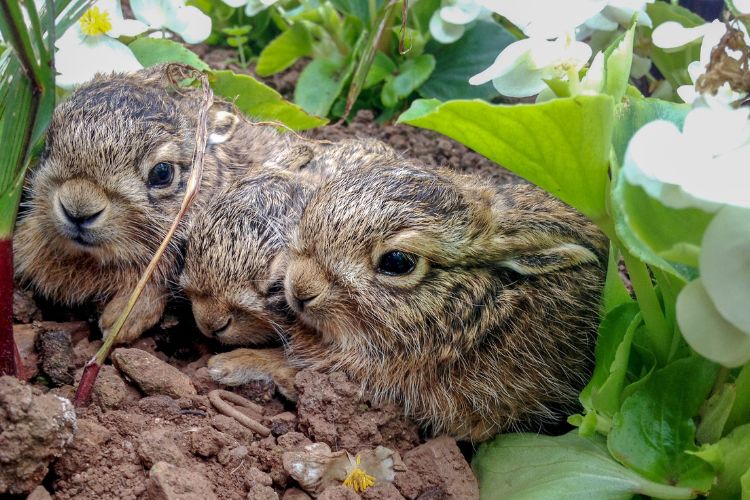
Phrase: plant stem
pixel 653 316
pixel 10 360
pixel 665 491
pixel 740 413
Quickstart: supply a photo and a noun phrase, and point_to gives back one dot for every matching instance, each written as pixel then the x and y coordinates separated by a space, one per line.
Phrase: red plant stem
pixel 85 386
pixel 10 359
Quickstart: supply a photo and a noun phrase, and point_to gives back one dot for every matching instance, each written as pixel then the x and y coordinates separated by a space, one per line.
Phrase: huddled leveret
pixel 474 306
pixel 109 183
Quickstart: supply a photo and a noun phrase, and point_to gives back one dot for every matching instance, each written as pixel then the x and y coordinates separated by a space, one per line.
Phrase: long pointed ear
pixel 533 233
pixel 222 125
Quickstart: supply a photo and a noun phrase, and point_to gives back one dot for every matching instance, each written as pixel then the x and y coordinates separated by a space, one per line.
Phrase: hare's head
pixel 115 166
pixel 394 255
pixel 234 265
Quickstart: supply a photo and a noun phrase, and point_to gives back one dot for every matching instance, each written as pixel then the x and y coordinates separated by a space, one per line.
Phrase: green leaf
pixel 320 83
pixel 612 351
pixel 357 8
pixel 654 428
pixel 714 415
pixel 617 61
pixel 152 51
pixel 412 74
pixel 568 467
pixel 731 458
pixel 673 65
pixel 284 50
pixel 382 66
pixel 740 413
pixel 455 63
pixel 236 30
pixel 561 145
pixel 420 12
pixel 260 101
pixel 615 292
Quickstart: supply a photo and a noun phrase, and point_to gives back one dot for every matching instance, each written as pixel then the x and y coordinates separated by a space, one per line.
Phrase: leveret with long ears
pixel 109 183
pixel 474 306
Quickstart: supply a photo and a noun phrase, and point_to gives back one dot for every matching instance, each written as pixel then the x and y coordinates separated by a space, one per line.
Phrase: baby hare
pixel 474 306
pixel 233 274
pixel 111 179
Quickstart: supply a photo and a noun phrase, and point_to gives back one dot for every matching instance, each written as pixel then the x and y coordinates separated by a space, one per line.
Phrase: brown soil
pixel 151 430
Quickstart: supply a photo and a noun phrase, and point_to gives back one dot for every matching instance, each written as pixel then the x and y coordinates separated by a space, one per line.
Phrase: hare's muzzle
pixel 305 286
pixel 80 208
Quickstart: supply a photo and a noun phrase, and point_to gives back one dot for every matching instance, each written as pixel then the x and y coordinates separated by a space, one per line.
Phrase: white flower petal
pixel 461 13
pixel 268 3
pixel 659 159
pixel 720 130
pixel 545 18
pixel 706 330
pixel 78 63
pixel 127 27
pixel 713 33
pixel 600 22
pixel 725 265
pixel 191 24
pixel 742 6
pixel 672 35
pixel 687 93
pixel 505 61
pixel 253 7
pixel 153 12
pixel 640 66
pixel 593 81
pixel 445 32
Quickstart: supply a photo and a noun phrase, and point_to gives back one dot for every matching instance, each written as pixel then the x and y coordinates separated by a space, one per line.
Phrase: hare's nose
pixel 302 302
pixel 80 218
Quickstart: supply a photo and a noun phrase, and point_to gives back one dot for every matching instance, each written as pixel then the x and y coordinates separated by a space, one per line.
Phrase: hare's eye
pixel 396 263
pixel 161 175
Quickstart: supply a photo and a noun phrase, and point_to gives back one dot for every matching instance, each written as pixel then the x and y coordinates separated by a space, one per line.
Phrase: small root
pixel 221 399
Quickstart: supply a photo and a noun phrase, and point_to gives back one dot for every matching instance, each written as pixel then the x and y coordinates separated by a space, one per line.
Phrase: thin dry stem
pixel 219 398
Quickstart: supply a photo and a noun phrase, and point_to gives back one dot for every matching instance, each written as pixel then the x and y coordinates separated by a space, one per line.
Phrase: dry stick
pixel 219 399
pixel 83 393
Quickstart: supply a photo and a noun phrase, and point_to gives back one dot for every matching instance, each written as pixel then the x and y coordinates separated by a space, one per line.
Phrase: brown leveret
pixel 474 306
pixel 109 183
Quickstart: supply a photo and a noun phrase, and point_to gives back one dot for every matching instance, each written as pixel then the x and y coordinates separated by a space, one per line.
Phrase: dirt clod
pixel 330 410
pixel 338 493
pixel 440 466
pixel 34 429
pixel 25 336
pixel 56 351
pixel 39 493
pixel 382 491
pixel 25 309
pixel 111 392
pixel 167 482
pixel 152 375
pixel 260 492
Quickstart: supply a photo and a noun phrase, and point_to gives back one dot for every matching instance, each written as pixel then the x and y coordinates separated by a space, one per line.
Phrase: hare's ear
pixel 222 125
pixel 550 259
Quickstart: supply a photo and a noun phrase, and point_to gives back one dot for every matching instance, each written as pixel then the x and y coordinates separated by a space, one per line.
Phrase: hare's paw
pixel 146 313
pixel 246 365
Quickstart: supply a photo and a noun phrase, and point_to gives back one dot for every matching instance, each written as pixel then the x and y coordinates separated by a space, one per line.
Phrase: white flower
pixel 252 7
pixel 547 18
pixel 90 46
pixel 522 67
pixel 449 22
pixel 619 13
pixel 187 21
pixel 672 36
pixel 712 310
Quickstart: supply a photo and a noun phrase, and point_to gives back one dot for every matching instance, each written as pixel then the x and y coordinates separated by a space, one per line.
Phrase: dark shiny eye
pixel 161 175
pixel 397 263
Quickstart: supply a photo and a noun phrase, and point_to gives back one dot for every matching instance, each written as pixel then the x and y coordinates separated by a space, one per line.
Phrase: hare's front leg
pixel 244 365
pixel 146 312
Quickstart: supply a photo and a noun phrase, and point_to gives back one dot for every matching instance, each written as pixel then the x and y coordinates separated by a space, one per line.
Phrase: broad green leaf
pixel 455 63
pixel 319 84
pixel 673 65
pixel 615 292
pixel 617 61
pixel 412 74
pixel 745 484
pixel 561 145
pixel 260 101
pixel 606 390
pixel 714 415
pixel 284 50
pixel 357 8
pixel 731 459
pixel 741 410
pixel 568 467
pixel 382 66
pixel 152 51
pixel 420 12
pixel 654 428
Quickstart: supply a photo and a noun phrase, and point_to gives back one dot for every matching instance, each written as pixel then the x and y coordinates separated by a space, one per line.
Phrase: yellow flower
pixel 95 22
pixel 358 480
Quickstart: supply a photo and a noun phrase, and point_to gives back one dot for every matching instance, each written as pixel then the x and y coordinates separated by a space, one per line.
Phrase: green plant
pixel 27 98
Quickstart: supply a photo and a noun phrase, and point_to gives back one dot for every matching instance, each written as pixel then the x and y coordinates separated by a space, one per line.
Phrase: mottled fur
pixel 101 144
pixel 494 329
